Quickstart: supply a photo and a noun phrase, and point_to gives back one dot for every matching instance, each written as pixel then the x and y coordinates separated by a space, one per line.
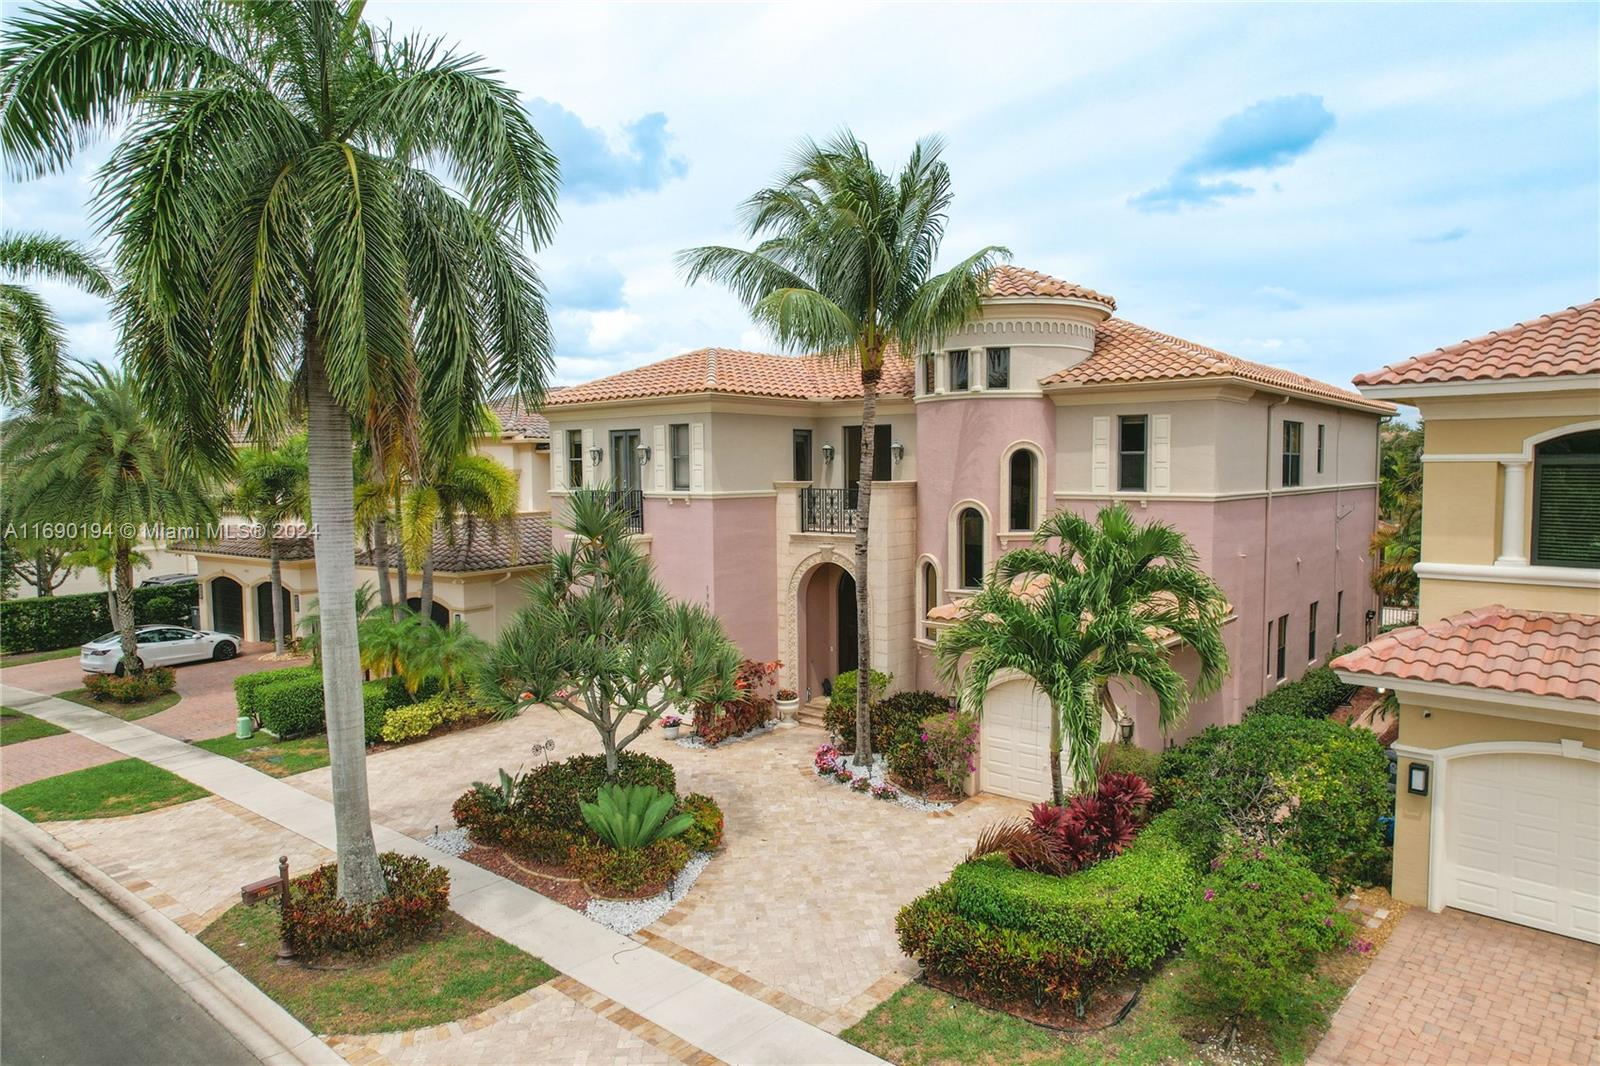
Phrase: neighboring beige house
pixel 1498 799
pixel 478 579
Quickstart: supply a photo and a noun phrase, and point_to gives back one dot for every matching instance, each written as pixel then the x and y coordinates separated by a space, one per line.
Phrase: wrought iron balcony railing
pixel 828 510
pixel 631 501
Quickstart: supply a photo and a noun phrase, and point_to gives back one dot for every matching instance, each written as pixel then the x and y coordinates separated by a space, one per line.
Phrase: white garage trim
pixel 1440 759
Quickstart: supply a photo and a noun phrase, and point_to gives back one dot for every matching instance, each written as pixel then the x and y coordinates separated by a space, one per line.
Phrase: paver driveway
pixel 799 907
pixel 1460 988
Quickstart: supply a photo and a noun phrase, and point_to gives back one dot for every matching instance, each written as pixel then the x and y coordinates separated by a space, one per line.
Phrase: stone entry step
pixel 812 712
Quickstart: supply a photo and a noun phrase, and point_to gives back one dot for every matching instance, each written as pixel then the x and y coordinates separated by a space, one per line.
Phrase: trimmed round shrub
pixel 633 872
pixel 291 706
pixel 131 688
pixel 482 812
pixel 896 719
pixel 247 687
pixel 1315 786
pixel 549 795
pixel 316 922
pixel 706 832
pixel 844 689
pixel 1255 934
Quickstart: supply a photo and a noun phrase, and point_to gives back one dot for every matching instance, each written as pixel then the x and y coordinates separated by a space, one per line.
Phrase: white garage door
pixel 1522 841
pixel 1014 744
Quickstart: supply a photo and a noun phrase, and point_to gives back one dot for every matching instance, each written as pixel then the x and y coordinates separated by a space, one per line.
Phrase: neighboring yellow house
pixel 1498 798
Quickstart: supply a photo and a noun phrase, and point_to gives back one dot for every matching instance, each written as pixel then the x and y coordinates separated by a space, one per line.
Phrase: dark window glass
pixel 882 458
pixel 1292 432
pixel 930 595
pixel 678 435
pixel 1283 646
pixel 575 458
pixel 1338 614
pixel 1022 471
pixel 1132 436
pixel 1322 443
pixel 971 528
pixel 1566 501
pixel 802 455
pixel 1311 635
pixel 958 371
pixel 998 372
pixel 928 371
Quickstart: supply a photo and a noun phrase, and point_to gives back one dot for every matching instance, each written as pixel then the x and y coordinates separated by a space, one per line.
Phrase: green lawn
pixel 456 973
pixel 15 727
pixel 264 752
pixel 922 1026
pixel 128 786
pixel 26 657
pixel 128 712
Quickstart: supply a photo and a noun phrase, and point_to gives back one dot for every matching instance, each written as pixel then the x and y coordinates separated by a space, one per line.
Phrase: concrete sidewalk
pixel 704 1012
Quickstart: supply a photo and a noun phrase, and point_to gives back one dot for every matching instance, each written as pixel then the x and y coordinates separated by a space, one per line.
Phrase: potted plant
pixel 788 704
pixel 670 724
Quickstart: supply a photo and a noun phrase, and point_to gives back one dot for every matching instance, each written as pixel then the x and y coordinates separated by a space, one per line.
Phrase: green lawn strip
pixel 26 657
pixel 455 973
pixel 15 727
pixel 264 752
pixel 127 786
pixel 128 712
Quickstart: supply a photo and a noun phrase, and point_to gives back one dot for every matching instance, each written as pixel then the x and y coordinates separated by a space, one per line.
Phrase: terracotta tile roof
pixel 739 373
pixel 1529 653
pixel 515 419
pixel 1008 280
pixel 525 543
pixel 1127 352
pixel 1555 345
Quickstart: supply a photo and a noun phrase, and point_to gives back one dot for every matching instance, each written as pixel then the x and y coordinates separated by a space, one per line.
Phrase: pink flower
pixel 1210 895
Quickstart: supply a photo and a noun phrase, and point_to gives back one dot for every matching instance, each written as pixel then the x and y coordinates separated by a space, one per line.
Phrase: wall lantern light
pixel 643 452
pixel 827 453
pixel 1417 779
pixel 595 455
pixel 1125 727
pixel 898 450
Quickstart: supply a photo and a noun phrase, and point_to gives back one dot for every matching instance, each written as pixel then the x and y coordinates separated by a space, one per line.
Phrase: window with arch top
pixel 1022 473
pixel 969 530
pixel 930 597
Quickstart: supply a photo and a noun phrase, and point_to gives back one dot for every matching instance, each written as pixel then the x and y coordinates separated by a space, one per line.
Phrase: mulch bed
pixel 553 882
pixel 1106 1008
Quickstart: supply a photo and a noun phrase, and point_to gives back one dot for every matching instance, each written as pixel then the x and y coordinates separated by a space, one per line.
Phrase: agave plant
pixel 633 817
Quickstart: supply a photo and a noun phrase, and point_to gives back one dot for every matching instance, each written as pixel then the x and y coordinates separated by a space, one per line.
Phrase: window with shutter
pixel 1566 501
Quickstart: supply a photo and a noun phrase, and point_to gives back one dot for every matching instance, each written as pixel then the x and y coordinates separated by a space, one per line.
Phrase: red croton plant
pixel 1090 828
pixel 751 710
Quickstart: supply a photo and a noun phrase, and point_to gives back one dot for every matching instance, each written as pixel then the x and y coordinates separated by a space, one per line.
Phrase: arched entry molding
pixel 789 611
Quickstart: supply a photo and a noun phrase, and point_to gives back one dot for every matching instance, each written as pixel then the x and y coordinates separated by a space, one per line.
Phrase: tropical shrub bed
pixel 840 717
pixel 316 922
pixel 44 623
pixel 715 723
pixel 131 688
pixel 289 702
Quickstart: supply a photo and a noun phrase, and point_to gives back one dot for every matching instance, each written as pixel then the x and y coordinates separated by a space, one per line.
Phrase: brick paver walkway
pixel 34 760
pixel 1460 988
pixel 208 708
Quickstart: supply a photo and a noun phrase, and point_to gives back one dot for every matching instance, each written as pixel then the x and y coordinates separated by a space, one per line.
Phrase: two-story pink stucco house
pixel 743 465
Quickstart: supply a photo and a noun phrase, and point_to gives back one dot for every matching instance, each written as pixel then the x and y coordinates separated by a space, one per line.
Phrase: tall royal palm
pixel 32 345
pixel 844 265
pixel 285 239
pixel 1113 601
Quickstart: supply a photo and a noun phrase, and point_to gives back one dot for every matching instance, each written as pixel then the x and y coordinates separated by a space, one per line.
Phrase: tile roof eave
pixel 1407 391
pixel 1353 402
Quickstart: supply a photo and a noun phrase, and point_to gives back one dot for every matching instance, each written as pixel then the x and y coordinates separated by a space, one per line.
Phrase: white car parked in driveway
pixel 158 646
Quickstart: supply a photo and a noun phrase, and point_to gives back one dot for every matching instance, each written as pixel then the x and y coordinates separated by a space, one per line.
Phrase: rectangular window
pixel 929 370
pixel 1311 635
pixel 1132 452
pixel 678 449
pixel 1283 647
pixel 575 458
pixel 1292 433
pixel 1338 614
pixel 802 455
pixel 958 371
pixel 882 460
pixel 1322 443
pixel 1566 501
pixel 998 373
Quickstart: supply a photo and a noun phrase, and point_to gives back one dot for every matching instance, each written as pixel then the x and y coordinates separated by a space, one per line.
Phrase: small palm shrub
pixel 633 817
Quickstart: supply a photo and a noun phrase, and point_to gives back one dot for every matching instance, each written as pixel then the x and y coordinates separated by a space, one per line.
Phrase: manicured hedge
pixel 246 686
pixel 45 623
pixel 1316 695
pixel 1008 934
pixel 294 706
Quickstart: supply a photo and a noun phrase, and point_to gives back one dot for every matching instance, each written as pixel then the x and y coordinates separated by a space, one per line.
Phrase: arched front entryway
pixel 827 627
pixel 264 630
pixel 438 611
pixel 227 606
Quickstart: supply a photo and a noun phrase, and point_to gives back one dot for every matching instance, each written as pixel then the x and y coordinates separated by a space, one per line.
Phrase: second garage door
pixel 1014 743
pixel 1522 841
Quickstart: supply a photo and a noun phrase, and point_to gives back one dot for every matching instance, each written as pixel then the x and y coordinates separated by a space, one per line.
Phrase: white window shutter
pixel 558 459
pixel 659 453
pixel 697 456
pixel 1161 453
pixel 588 449
pixel 1100 459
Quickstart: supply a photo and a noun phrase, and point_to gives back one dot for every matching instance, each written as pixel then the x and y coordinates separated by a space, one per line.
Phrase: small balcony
pixel 828 510
pixel 630 501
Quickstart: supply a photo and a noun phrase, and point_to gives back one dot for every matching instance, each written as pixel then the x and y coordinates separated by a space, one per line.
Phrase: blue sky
pixel 1328 188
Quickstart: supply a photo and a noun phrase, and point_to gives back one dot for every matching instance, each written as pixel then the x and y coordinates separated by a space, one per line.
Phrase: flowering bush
pixel 861 784
pixel 842 773
pixel 949 741
pixel 787 694
pixel 671 721
pixel 1262 920
pixel 884 792
pixel 317 922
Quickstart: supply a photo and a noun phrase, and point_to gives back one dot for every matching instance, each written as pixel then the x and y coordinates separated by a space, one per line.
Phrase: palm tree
pixel 310 623
pixel 464 490
pixel 845 267
pixel 101 459
pixel 305 208
pixel 32 346
pixel 101 557
pixel 271 490
pixel 1397 542
pixel 1112 601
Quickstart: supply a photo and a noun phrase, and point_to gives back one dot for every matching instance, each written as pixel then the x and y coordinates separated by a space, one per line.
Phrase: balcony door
pixel 625 472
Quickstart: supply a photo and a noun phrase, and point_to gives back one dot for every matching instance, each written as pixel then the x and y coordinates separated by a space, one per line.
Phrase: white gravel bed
pixel 629 916
pixel 451 841
pixel 878 774
pixel 694 743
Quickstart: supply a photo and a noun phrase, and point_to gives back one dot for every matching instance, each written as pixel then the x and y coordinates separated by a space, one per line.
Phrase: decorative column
pixel 1513 513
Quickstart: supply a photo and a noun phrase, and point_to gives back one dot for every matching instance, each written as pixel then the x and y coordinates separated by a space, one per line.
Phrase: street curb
pixel 268 1031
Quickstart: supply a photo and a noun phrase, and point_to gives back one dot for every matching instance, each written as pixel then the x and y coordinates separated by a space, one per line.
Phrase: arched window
pixel 1566 501
pixel 930 596
pixel 970 526
pixel 1023 472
